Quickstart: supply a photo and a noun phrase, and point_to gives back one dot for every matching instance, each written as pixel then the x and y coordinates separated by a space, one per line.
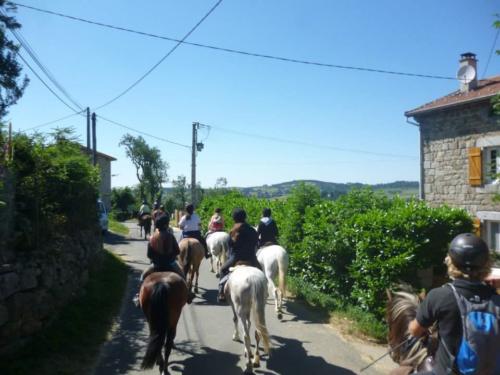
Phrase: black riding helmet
pixel 239 215
pixel 468 251
pixel 162 221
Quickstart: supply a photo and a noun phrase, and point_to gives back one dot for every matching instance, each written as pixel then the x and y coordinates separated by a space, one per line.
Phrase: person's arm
pixel 182 222
pixel 175 246
pixel 150 252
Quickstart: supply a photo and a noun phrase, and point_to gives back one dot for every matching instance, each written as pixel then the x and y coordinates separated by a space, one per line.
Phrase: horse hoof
pixel 196 290
pixel 256 364
pixel 248 371
pixel 280 316
pixel 212 271
pixel 217 274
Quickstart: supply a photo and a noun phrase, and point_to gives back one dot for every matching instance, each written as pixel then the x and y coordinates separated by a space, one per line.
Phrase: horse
pixel 246 292
pixel 274 261
pixel 190 257
pixel 145 221
pixel 162 297
pixel 416 355
pixel 218 245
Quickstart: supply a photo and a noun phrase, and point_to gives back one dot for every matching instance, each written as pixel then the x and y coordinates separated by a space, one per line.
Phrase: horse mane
pixel 401 310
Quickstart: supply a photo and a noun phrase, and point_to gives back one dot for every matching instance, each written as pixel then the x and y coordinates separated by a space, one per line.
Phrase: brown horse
pixel 162 297
pixel 145 222
pixel 414 355
pixel 190 257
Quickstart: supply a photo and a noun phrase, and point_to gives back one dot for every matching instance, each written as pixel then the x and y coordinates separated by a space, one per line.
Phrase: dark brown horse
pixel 415 355
pixel 162 297
pixel 145 222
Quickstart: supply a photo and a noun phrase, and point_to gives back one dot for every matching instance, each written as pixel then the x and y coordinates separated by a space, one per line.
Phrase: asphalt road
pixel 302 343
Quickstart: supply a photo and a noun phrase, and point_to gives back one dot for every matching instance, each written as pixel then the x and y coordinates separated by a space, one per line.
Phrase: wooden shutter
pixel 476 226
pixel 475 166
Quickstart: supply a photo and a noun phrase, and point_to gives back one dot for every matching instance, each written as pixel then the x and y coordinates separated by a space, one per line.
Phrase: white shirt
pixel 194 223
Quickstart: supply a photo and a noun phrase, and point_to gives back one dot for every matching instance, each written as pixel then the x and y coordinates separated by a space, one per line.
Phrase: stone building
pixel 104 163
pixel 460 149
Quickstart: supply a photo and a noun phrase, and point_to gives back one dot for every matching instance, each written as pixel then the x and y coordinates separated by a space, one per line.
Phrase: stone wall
pixel 446 137
pixel 34 285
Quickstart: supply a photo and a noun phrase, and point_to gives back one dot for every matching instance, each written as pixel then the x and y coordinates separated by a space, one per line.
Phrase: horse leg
pixel 274 289
pixel 236 334
pixel 212 263
pixel 197 276
pixel 256 360
pixel 169 344
pixel 218 265
pixel 246 338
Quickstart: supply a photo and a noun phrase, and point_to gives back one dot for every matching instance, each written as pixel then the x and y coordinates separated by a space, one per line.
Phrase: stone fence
pixel 34 285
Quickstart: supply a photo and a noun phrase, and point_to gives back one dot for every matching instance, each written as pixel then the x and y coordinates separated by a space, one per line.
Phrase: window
pixel 493 235
pixel 492 165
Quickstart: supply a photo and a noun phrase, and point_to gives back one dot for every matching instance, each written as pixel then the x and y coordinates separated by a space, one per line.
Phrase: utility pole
pixel 196 146
pixel 94 137
pixel 88 128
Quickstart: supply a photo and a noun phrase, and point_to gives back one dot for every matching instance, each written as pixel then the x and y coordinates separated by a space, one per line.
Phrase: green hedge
pixel 357 246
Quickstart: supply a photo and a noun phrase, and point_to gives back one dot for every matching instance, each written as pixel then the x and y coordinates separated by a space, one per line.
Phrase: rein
pixel 407 341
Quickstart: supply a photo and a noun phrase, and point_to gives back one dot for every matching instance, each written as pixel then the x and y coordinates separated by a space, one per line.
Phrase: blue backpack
pixel 479 350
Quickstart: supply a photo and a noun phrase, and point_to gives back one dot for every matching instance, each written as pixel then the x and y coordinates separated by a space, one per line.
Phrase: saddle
pixel 245 263
pixel 266 244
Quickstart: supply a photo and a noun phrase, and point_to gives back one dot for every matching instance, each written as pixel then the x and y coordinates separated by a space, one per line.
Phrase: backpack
pixel 479 349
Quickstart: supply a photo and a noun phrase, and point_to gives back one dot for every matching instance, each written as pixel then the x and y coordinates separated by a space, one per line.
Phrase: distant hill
pixel 331 190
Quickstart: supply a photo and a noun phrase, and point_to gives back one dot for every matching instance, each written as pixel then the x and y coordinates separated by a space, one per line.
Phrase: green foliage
pixel 350 250
pixel 117 227
pixel 123 203
pixel 55 187
pixel 11 88
pixel 179 192
pixel 151 170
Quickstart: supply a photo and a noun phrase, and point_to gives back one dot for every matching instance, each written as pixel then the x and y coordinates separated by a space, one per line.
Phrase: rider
pixel 216 223
pixel 243 243
pixel 157 211
pixel 162 251
pixel 469 264
pixel 144 209
pixel 267 229
pixel 191 227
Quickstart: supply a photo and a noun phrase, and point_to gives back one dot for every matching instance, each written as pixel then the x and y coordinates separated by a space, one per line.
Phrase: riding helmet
pixel 468 251
pixel 239 215
pixel 161 221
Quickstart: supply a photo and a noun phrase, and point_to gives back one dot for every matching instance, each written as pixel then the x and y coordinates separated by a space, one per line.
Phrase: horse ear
pixel 389 294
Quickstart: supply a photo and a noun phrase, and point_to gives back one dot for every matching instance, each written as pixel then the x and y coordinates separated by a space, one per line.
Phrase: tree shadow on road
pixel 299 311
pixel 117 239
pixel 291 358
pixel 120 354
pixel 205 361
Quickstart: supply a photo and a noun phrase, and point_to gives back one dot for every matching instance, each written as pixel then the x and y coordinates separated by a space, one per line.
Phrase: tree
pixel 123 202
pixel 11 87
pixel 150 169
pixel 221 183
pixel 180 192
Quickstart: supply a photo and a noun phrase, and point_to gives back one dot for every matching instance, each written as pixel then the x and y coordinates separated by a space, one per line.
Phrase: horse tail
pixel 282 269
pixel 260 295
pixel 157 323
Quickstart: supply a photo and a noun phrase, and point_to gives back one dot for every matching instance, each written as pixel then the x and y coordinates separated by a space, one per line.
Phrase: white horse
pixel 274 261
pixel 246 291
pixel 218 245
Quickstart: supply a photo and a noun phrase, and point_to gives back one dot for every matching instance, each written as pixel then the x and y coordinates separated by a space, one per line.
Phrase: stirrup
pixel 136 301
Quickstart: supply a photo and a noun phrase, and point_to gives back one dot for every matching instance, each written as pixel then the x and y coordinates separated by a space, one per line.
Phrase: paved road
pixel 302 344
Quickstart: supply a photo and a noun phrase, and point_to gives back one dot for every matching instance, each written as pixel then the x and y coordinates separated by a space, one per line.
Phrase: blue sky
pixel 359 111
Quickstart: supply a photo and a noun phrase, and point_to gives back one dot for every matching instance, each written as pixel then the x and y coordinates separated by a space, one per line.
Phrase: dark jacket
pixel 267 231
pixel 243 242
pixel 163 249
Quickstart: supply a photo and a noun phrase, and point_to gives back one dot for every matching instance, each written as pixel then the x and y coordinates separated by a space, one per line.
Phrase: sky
pixel 270 121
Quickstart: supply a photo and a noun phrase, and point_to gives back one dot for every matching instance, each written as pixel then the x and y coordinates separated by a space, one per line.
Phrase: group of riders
pixel 469 264
pixel 243 243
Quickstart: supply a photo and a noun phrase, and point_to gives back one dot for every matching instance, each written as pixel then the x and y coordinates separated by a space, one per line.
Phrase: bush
pixel 123 203
pixel 353 248
pixel 55 189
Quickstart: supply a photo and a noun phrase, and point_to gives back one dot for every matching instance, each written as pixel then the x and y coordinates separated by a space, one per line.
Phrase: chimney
pixel 467 72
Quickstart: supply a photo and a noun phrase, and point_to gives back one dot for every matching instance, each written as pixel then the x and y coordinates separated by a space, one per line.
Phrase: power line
pixel 45 84
pixel 143 133
pixel 53 121
pixel 281 140
pixel 24 43
pixel 240 52
pixel 163 58
pixel 491 52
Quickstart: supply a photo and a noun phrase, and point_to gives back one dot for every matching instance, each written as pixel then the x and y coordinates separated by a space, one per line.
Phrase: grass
pixel 354 321
pixel 71 343
pixel 117 227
